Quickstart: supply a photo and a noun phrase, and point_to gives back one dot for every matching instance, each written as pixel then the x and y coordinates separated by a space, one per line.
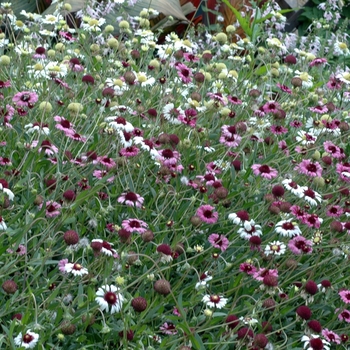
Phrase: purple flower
pixel 264 171
pixel 52 209
pixel 131 199
pixel 219 241
pixel 300 245
pixel 206 214
pixel 309 168
pixel 345 296
pixel 25 99
pixel 134 225
pixel 184 73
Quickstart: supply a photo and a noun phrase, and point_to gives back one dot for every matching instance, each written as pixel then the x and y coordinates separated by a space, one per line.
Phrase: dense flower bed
pixel 192 194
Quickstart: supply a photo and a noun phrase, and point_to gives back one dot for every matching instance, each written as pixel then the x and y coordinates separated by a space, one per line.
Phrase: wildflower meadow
pixel 160 191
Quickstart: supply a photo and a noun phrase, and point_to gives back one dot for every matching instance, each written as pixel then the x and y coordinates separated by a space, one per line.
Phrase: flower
pixel 204 278
pixel 101 246
pixel 299 245
pixel 345 296
pixel 249 229
pixel 314 342
pixel 312 197
pixel 265 171
pixel 52 209
pixel 168 328
pixel 28 340
pixel 206 214
pixel 219 241
pixel 134 225
pixel 287 228
pixel 75 269
pixel 109 298
pixel 275 248
pixel 4 187
pixel 25 99
pixel 293 187
pixel 309 168
pixel 214 300
pixel 331 336
pixel 131 199
pixel 344 316
pixel 3 226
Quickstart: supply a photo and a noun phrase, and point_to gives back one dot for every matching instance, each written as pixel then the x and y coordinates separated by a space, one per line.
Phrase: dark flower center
pixel 77 267
pixel 316 344
pixel 131 196
pixel 287 226
pixel 311 168
pixel 25 97
pixel 214 298
pixel 134 224
pixel 168 153
pixel 51 208
pixel 65 123
pixel 121 120
pixel 309 193
pixel 208 213
pixel 111 298
pixel 264 169
pixel 27 338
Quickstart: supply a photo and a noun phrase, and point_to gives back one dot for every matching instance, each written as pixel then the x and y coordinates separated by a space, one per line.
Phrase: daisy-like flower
pixel 334 211
pixel 293 187
pixel 333 150
pixel 261 273
pixel 92 24
pixel 144 80
pixel 168 328
pixel 306 138
pixel 131 151
pixel 345 296
pixel 134 225
pixel 46 146
pixel 207 214
pixel 3 226
pixel 275 248
pixel 131 199
pixel 64 125
pixel 344 171
pixel 168 157
pixel 309 168
pixel 39 127
pixel 214 300
pixel 219 241
pixel 62 265
pixel 249 229
pixel 312 220
pixel 52 209
pixel 109 298
pixel 171 113
pixel 76 269
pixel 312 197
pixel 4 187
pixel 248 268
pixel 271 107
pixel 104 247
pixel 25 98
pixel 320 109
pixel 314 342
pixel 344 315
pixel 119 123
pixel 239 217
pixel 184 72
pixel 331 336
pixel 278 129
pixel 27 340
pixel 264 171
pixel 300 245
pixel 204 279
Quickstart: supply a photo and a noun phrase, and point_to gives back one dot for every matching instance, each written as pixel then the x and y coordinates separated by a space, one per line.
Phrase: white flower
pixel 312 197
pixel 308 342
pixel 3 226
pixel 28 340
pixel 36 127
pixel 75 269
pixel 214 300
pixel 249 320
pixel 275 248
pixel 119 123
pixel 287 228
pixel 144 80
pixel 293 187
pixel 249 229
pixel 306 138
pixel 7 191
pixel 109 298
